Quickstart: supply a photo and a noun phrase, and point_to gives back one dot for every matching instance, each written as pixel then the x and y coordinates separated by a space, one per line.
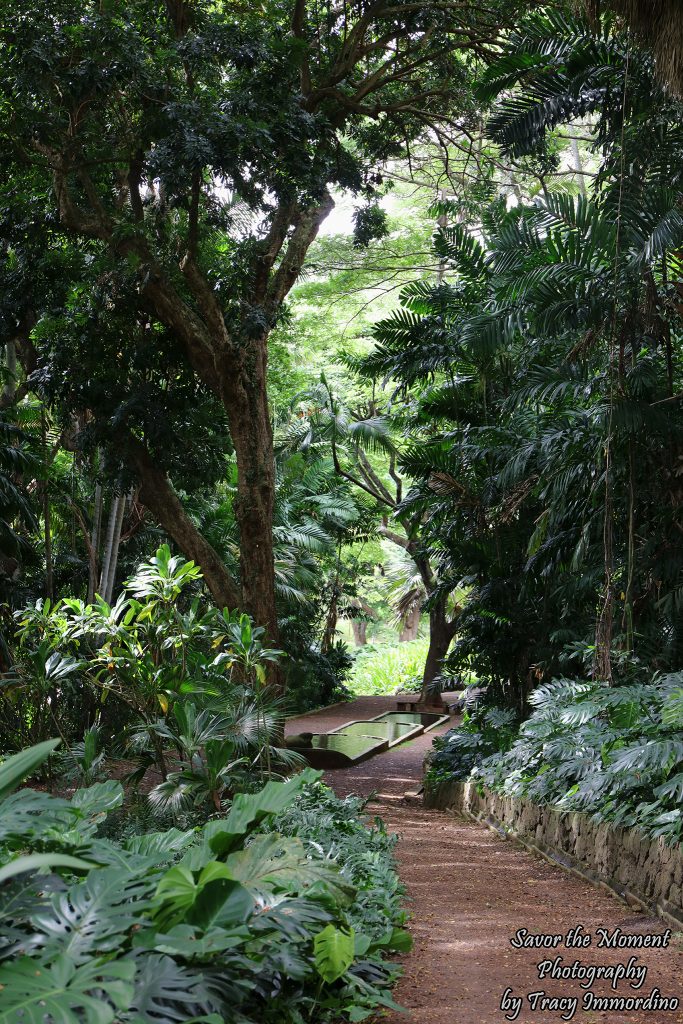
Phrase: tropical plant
pixel 613 752
pixel 314 516
pixel 529 385
pixel 220 749
pixel 352 437
pixel 225 921
pixel 83 763
pixel 17 514
pixel 379 669
pixel 32 691
pixel 158 667
pixel 339 830
pixel 484 732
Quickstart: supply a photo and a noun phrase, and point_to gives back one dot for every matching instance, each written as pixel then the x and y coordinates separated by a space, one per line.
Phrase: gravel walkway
pixel 470 891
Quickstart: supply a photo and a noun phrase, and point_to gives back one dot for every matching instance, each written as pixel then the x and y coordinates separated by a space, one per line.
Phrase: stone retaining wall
pixel 646 873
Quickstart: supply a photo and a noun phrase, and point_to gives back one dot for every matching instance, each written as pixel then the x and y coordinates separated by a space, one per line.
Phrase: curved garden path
pixel 470 890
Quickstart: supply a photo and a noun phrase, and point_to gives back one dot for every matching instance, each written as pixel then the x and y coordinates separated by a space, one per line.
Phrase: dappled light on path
pixel 470 891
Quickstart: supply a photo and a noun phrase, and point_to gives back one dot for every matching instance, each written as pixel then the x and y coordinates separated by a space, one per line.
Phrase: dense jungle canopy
pixel 478 366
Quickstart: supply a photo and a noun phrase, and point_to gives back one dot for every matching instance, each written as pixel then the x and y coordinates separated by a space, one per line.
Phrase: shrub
pixel 334 829
pixel 313 679
pixel 484 731
pixel 385 670
pixel 231 921
pixel 161 656
pixel 613 752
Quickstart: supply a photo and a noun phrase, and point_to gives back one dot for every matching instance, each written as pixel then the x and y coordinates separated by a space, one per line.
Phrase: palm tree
pixel 549 345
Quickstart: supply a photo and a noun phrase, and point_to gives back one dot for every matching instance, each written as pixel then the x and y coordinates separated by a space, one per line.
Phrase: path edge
pixel 554 836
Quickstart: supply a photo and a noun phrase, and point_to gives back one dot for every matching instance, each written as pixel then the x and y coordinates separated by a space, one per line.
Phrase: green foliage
pixel 515 381
pixel 190 682
pixel 252 917
pixel 23 764
pixel 613 752
pixel 62 991
pixel 84 761
pixel 484 732
pixel 335 829
pixel 369 225
pixel 17 515
pixel 334 952
pixel 386 669
pixel 179 199
pixel 180 673
pixel 314 514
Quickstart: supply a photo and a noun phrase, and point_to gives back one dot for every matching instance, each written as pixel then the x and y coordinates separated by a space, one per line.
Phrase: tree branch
pixel 158 494
pixel 395 538
pixel 370 475
pixel 304 234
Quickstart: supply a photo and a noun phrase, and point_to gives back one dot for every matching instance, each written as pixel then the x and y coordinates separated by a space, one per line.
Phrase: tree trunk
pixel 410 626
pixel 95 543
pixel 360 631
pixel 441 632
pixel 230 358
pixel 47 516
pixel 108 547
pixel 576 161
pixel 330 621
pixel 245 398
pixel 157 494
pixel 108 591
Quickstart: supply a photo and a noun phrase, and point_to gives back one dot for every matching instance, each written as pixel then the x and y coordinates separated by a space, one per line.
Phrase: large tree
pixel 194 146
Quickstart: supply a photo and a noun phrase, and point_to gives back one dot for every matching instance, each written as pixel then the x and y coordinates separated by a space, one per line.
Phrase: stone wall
pixel 646 873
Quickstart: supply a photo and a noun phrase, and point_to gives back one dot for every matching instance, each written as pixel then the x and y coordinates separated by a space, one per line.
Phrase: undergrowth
pixel 613 752
pixel 386 670
pixel 281 911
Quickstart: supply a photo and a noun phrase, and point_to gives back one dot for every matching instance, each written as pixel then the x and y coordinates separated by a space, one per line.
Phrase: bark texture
pixel 360 632
pixel 442 629
pixel 246 400
pixel 410 626
pixel 157 493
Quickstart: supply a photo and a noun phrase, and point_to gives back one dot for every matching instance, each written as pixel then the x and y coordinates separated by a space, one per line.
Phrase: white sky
pixel 340 222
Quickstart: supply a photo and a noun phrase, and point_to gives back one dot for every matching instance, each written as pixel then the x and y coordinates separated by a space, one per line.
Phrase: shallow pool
pixel 388 729
pixel 351 745
pixel 410 717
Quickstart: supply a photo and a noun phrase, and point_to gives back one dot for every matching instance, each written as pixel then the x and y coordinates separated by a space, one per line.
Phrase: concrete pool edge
pixel 321 756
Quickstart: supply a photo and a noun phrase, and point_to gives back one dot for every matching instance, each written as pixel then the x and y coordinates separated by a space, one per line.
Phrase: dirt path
pixel 470 891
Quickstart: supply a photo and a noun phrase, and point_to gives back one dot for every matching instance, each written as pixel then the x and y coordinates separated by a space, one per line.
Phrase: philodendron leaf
pixel 95 916
pixel 215 894
pixel 167 992
pixel 223 901
pixel 401 941
pixel 396 939
pixel 19 766
pixel 272 863
pixel 175 895
pixel 27 815
pixel 33 993
pixel 96 801
pixel 248 809
pixel 161 845
pixel 333 951
pixel 38 861
pixel 185 941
